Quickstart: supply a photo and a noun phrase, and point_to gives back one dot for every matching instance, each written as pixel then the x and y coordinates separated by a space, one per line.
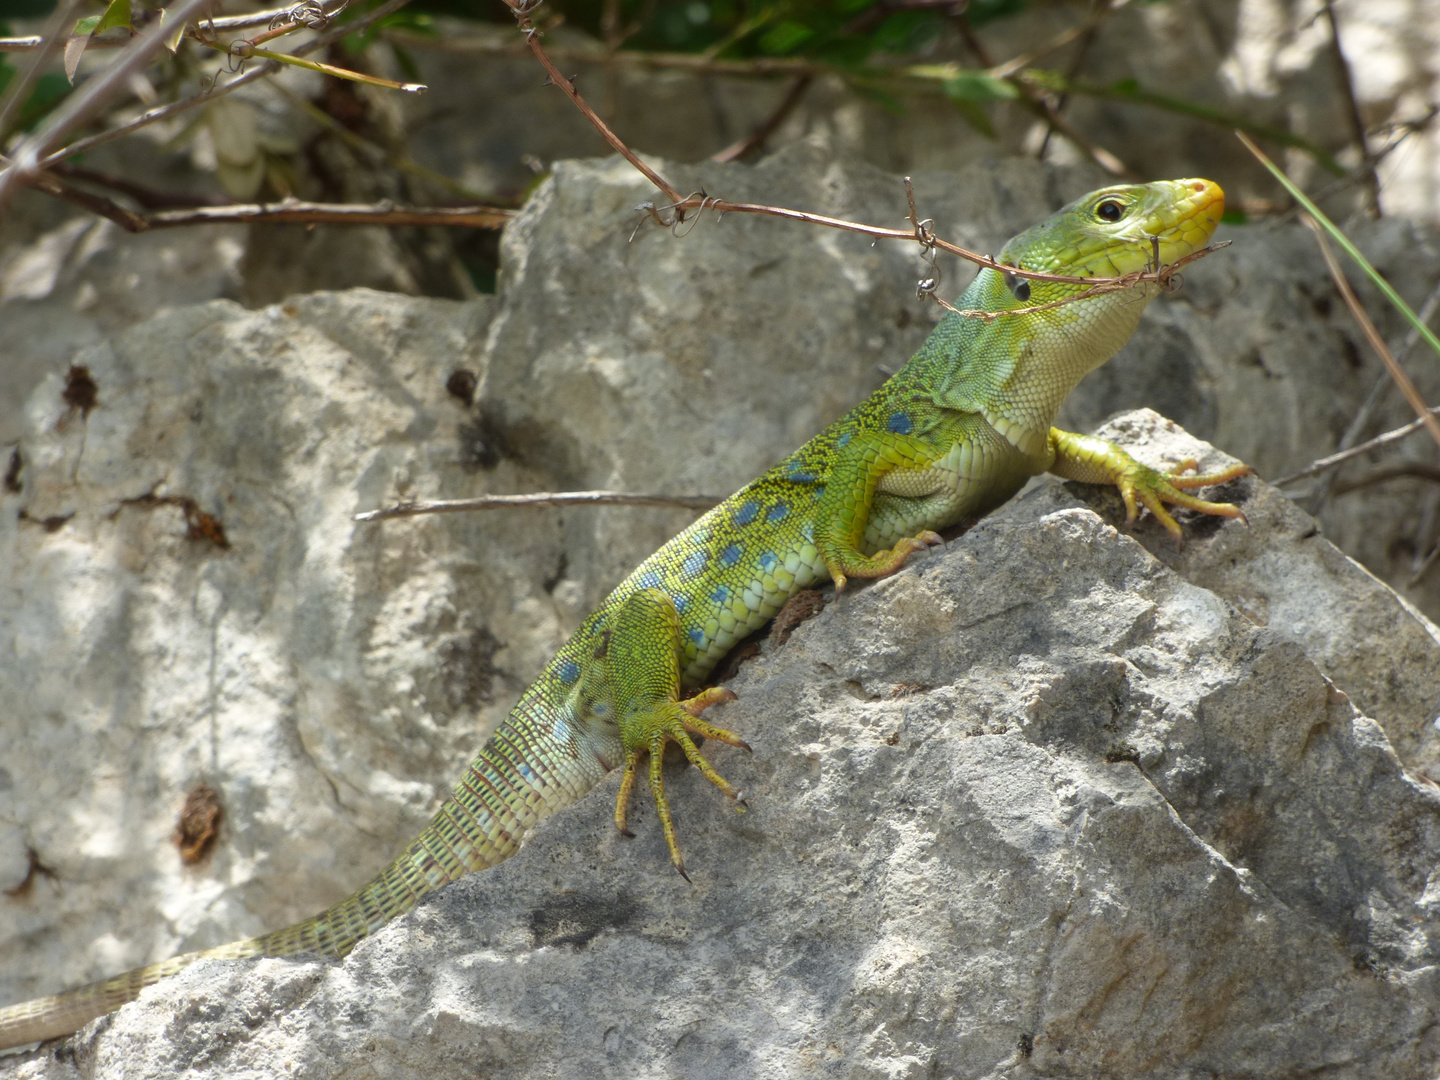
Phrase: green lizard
pixel 953 434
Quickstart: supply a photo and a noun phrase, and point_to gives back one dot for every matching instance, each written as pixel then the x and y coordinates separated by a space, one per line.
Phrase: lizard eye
pixel 1110 210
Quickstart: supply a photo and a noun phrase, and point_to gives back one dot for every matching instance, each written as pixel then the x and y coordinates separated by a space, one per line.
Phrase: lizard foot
pixel 882 564
pixel 648 732
pixel 1141 485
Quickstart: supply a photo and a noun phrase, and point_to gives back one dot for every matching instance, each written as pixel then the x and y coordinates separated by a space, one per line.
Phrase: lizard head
pixel 1116 230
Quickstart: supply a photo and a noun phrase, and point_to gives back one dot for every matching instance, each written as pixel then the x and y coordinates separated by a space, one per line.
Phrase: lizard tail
pixel 525 772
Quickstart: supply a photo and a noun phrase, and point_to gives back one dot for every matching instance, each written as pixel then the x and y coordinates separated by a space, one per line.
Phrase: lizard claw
pixel 1141 485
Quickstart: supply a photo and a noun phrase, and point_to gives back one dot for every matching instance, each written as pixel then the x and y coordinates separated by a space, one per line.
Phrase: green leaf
pixel 117 14
pixel 86 26
pixel 976 115
pixel 977 86
pixel 785 38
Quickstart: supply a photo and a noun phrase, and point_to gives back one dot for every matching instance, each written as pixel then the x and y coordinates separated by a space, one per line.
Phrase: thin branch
pixel 31 42
pixel 1421 470
pixel 244 50
pixel 1361 419
pixel 164 112
pixel 930 78
pixel 1059 41
pixel 292 210
pixel 93 95
pixel 1340 457
pixel 1430 560
pixel 288 210
pixel 1035 99
pixel 267 18
pixel 1407 387
pixel 679 206
pixel 699 63
pixel 521 10
pixel 96 204
pixel 358 142
pixel 701 201
pixel 1369 178
pixel 757 138
pixel 18 90
pixel 540 498
pixel 146 198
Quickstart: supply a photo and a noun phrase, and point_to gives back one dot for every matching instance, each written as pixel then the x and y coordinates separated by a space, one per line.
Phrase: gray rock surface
pixel 1036 806
pixel 325 678
pixel 79 280
pixel 328 679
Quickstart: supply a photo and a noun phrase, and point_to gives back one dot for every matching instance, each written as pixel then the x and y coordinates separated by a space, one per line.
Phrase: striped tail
pixel 524 773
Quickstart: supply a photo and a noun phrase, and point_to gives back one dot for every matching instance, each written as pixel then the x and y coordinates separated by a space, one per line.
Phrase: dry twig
pixel 539 498
pixel 757 138
pixel 1340 457
pixel 164 112
pixel 93 95
pixel 293 210
pixel 1361 419
pixel 1372 335
pixel 679 206
pixel 1369 179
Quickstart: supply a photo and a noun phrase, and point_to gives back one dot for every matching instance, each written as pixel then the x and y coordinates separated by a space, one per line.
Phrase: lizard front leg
pixel 643 671
pixel 1095 461
pixel 867 463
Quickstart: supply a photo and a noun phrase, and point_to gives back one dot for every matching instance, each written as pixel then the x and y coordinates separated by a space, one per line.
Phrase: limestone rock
pixel 1035 806
pixel 326 679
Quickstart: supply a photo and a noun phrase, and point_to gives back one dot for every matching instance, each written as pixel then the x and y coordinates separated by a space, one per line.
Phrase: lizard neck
pixel 1017 370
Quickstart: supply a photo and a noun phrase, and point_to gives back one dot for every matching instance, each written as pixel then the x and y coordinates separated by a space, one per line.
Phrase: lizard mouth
pixel 1195 218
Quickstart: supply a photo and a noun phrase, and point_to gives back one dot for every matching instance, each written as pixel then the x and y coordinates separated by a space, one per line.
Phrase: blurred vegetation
pixel 884 51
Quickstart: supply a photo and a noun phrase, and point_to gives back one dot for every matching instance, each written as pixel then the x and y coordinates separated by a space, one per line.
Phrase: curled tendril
pixel 237 56
pixel 307 13
pixel 929 282
pixel 679 220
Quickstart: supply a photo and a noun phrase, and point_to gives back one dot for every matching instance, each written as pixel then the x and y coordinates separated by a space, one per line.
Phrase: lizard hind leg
pixel 644 674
